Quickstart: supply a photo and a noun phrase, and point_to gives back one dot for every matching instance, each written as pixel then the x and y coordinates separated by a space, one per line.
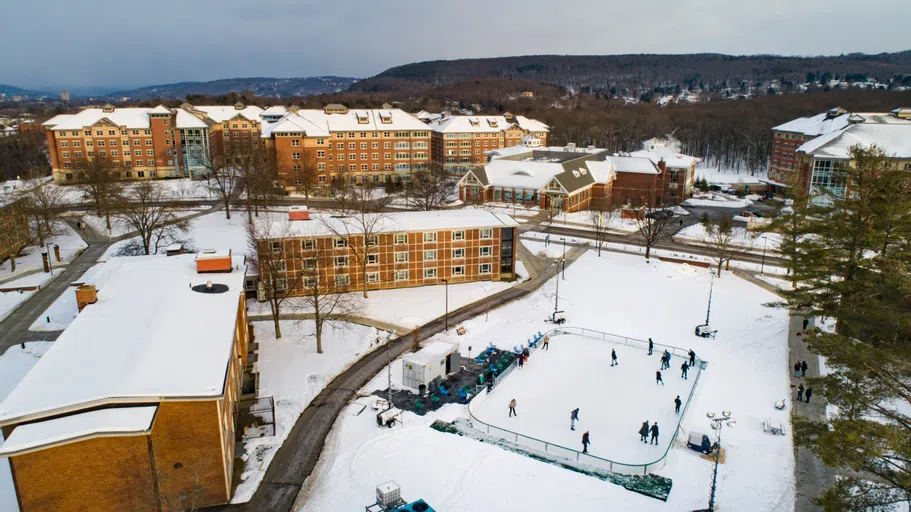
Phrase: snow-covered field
pixel 515 210
pixel 293 374
pixel 182 189
pixel 9 301
pixel 751 241
pixel 746 373
pixel 583 220
pixel 718 176
pixel 14 364
pixel 71 244
pixel 119 227
pixel 713 199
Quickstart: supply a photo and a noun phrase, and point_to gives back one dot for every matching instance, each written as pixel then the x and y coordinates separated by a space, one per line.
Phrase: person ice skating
pixel 512 408
pixel 658 379
pixel 677 404
pixel 651 346
pixel 803 369
pixel 546 344
pixel 654 431
pixel 643 432
pixel 808 393
pixel 683 369
pixel 806 322
pixel 797 369
pixel 613 357
pixel 800 393
pixel 586 440
pixel 692 358
pixel 573 418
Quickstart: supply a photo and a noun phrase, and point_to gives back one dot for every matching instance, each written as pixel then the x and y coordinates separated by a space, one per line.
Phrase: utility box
pixel 85 295
pixel 298 213
pixel 432 361
pixel 388 494
pixel 211 260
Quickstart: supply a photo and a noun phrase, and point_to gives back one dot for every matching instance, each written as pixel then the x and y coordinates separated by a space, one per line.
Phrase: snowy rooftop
pixel 825 123
pixel 222 113
pixel 671 158
pixel 160 109
pixel 148 337
pixel 509 151
pixel 74 427
pixel 131 117
pixel 397 222
pixel 638 165
pixel 188 120
pixel 319 123
pixel 893 139
pixel 432 352
pixel 602 172
pixel 470 124
pixel 521 173
pixel 531 125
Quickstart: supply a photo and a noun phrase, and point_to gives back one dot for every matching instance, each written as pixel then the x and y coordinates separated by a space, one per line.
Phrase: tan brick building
pixel 409 249
pixel 461 142
pixel 133 406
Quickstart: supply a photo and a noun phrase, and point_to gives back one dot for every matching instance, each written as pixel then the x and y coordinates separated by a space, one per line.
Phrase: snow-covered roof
pixel 638 165
pixel 825 123
pixel 521 173
pixel 75 427
pixel 148 337
pixel 602 172
pixel 432 352
pixel 671 158
pixel 222 113
pixel 893 139
pixel 396 222
pixel 160 109
pixel 319 123
pixel 531 125
pixel 59 118
pixel 130 117
pixel 509 151
pixel 274 110
pixel 428 116
pixel 187 120
pixel 294 123
pixel 470 124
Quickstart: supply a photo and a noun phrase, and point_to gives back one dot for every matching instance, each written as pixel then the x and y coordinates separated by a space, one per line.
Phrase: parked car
pixel 660 214
pixel 715 188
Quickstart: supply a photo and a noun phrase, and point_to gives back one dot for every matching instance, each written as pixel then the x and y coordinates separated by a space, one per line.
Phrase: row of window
pixel 100 133
pixel 399 239
pixel 101 143
pixel 397 135
pixel 372 167
pixel 399 275
pixel 374 259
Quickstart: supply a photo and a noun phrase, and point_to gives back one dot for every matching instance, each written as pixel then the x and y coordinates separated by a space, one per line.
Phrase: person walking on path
pixel 586 440
pixel 643 432
pixel 512 408
pixel 800 393
pixel 809 393
pixel 692 358
pixel 806 322
pixel 521 360
pixel 803 369
pixel 658 379
pixel 546 344
pixel 667 360
pixel 573 418
pixel 684 368
pixel 677 404
pixel 651 346
pixel 797 369
pixel 654 431
pixel 613 357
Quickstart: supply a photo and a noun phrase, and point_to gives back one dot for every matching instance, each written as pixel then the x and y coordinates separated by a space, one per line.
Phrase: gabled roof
pixel 160 109
pixel 631 164
pixel 531 125
pixel 893 139
pixel 671 158
pixel 132 118
pixel 188 120
pixel 222 113
pixel 470 124
pixel 479 173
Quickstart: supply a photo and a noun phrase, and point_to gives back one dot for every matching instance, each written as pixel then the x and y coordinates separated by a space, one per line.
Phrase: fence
pixel 575 455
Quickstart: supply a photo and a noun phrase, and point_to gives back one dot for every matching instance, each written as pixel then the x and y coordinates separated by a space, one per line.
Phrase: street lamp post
pixel 446 282
pixel 765 242
pixel 564 257
pixel 718 422
pixel 557 297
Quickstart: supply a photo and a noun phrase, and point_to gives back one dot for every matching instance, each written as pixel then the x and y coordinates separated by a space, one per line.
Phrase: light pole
pixel 765 242
pixel 564 257
pixel 557 297
pixel 718 423
pixel 446 282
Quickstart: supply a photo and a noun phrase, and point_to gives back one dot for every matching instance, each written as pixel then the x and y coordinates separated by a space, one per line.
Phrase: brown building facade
pixel 14 229
pixel 461 142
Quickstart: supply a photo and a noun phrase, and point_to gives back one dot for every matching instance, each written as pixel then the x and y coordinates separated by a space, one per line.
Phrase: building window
pixel 401 257
pixel 309 263
pixel 458 253
pixel 281 285
pixel 281 265
pixel 295 142
pixel 295 156
pixel 308 244
pixel 342 280
pixel 430 255
pixel 341 261
pixel 486 234
pixel 484 268
pixel 401 275
pixel 458 270
pixel 310 282
pixel 430 273
pixel 401 238
pixel 339 242
pixel 430 237
pixel 458 235
pixel 485 250
pixel 276 247
pixel 373 277
pixel 373 259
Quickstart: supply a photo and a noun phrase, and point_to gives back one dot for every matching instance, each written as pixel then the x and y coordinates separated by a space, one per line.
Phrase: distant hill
pixel 261 86
pixel 642 72
pixel 10 90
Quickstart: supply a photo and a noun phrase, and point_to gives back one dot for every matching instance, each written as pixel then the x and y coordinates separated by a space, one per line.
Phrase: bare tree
pixel 654 224
pixel 100 182
pixel 145 209
pixel 428 190
pixel 44 205
pixel 308 175
pixel 257 165
pixel 362 221
pixel 324 297
pixel 275 256
pixel 601 218
pixel 224 180
pixel 723 239
pixel 14 232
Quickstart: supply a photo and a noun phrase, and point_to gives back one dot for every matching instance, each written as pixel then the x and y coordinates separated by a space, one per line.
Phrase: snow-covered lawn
pixel 119 227
pixel 293 374
pixel 713 199
pixel 9 301
pixel 583 220
pixel 717 176
pixel 71 244
pixel 784 284
pixel 622 294
pixel 752 241
pixel 182 189
pixel 14 364
pixel 515 210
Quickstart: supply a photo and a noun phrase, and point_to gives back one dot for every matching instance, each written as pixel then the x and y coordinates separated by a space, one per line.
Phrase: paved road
pixel 295 459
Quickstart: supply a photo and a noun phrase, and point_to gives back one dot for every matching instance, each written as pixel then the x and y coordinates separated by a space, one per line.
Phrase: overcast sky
pixel 53 43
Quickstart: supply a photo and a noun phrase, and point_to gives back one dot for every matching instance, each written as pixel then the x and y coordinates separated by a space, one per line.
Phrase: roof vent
pixel 362 117
pixel 474 121
pixel 107 108
pixel 210 288
pixel 575 173
pixel 583 171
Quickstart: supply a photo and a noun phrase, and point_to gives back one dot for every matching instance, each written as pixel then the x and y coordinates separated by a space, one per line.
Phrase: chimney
pixel 211 260
pixel 298 213
pixel 85 295
pixel 662 165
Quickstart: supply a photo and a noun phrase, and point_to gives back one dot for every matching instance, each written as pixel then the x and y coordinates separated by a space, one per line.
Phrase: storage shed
pixel 432 361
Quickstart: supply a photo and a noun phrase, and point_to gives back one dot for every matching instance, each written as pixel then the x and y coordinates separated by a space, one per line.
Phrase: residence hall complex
pixel 787 139
pixel 132 408
pixel 369 146
pixel 573 179
pixel 459 143
pixel 407 249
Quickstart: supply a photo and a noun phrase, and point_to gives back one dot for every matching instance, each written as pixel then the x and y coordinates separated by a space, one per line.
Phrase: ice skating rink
pixel 613 401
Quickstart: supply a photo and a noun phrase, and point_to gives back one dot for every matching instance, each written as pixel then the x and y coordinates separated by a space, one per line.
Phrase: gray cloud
pixel 124 43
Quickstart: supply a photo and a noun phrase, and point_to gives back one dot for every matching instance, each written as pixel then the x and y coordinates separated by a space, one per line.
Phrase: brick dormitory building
pixel 132 408
pixel 407 249
pixel 366 146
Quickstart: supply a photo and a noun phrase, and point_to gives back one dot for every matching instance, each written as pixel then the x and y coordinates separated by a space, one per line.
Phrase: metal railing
pixel 575 455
